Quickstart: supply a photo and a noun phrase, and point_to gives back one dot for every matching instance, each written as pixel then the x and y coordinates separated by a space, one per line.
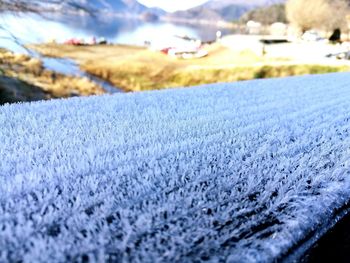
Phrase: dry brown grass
pixel 31 71
pixel 136 68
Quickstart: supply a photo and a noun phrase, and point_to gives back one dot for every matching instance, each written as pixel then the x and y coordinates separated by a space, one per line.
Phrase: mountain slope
pixel 120 7
pixel 131 6
pixel 226 10
pixel 266 15
pixel 250 3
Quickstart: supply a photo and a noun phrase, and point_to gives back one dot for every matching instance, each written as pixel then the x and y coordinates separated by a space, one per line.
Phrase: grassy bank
pixel 13 90
pixel 146 78
pixel 135 69
pixel 29 70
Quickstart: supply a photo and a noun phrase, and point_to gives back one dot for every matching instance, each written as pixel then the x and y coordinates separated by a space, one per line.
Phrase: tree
pixel 38 6
pixel 266 15
pixel 317 14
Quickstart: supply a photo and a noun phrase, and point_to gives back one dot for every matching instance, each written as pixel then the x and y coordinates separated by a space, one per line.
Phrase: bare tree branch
pixel 11 37
pixel 37 6
pixel 41 8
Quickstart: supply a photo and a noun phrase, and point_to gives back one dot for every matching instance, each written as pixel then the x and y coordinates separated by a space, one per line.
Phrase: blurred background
pixel 54 49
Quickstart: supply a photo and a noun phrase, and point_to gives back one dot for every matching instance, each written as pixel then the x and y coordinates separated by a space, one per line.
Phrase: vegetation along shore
pixel 134 68
pixel 28 77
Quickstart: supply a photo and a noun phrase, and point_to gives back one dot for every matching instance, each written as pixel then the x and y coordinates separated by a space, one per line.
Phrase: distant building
pixel 253 28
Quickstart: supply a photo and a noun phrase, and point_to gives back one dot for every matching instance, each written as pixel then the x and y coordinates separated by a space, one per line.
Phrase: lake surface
pixel 38 29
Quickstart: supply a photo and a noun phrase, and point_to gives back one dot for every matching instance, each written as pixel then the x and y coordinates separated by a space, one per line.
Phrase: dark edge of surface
pixel 323 243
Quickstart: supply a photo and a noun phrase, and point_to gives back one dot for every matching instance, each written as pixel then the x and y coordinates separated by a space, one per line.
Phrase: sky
pixel 172 5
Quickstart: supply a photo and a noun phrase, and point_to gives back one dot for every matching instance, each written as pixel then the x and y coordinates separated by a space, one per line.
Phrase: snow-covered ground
pixel 232 172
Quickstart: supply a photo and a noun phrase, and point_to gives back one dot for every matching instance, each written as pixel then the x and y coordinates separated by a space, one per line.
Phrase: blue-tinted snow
pixel 232 172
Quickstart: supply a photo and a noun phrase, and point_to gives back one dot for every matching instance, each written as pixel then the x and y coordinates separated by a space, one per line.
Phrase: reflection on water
pixel 37 29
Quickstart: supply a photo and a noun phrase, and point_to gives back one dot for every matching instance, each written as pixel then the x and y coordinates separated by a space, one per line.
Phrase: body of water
pixel 38 29
pixel 35 29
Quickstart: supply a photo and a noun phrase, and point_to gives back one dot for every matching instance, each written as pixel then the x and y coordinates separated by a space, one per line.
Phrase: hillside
pixel 244 172
pixel 216 4
pixel 266 15
pixel 119 7
pixel 226 10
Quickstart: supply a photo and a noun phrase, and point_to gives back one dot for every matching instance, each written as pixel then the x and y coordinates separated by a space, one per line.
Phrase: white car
pixel 311 36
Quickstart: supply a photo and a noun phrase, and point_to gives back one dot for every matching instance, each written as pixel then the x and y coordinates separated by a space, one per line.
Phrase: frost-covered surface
pixel 232 172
